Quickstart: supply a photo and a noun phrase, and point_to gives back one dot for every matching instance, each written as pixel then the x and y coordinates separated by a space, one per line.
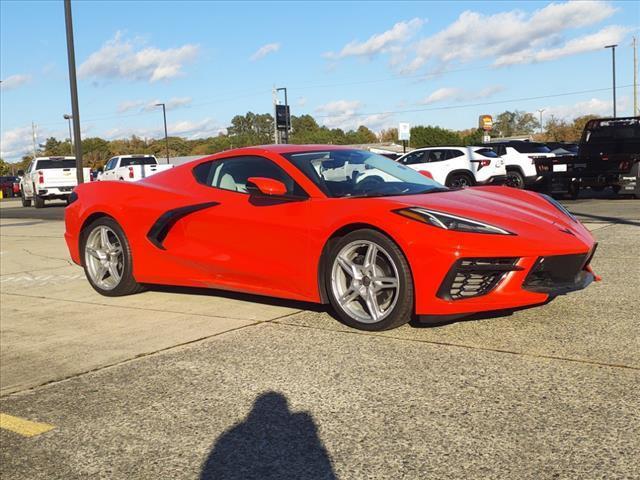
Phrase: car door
pixel 249 242
pixel 27 180
pixel 109 169
pixel 437 164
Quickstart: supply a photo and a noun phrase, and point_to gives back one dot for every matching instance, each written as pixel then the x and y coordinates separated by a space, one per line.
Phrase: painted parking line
pixel 23 427
pixel 39 280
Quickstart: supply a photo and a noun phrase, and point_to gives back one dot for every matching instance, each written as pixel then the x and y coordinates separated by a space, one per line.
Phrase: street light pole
pixel 166 138
pixel 540 112
pixel 66 116
pixel 73 84
pixel 613 64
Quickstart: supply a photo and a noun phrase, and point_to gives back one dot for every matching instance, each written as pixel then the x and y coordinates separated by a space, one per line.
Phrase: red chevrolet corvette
pixel 379 241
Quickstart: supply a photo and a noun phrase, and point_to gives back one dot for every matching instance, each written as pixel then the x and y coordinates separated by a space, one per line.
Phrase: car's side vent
pixel 162 226
pixel 473 277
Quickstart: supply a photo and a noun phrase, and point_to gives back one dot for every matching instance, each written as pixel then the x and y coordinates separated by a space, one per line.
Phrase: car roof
pixel 436 148
pixel 136 155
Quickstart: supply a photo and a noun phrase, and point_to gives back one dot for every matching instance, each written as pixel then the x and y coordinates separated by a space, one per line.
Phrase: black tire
pixel 398 314
pixel 574 190
pixel 25 202
pixel 38 201
pixel 459 180
pixel 616 189
pixel 128 284
pixel 514 179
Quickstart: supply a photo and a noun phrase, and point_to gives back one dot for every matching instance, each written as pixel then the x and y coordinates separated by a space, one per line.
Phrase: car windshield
pixel 55 163
pixel 358 173
pixel 125 162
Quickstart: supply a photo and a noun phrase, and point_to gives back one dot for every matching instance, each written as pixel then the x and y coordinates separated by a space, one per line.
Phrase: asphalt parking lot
pixel 183 383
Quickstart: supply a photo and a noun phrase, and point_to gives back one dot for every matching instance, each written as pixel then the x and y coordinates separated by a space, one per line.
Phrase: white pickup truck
pixel 130 168
pixel 49 178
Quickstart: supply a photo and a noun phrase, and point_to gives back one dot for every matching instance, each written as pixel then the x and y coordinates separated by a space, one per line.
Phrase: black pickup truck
pixel 608 156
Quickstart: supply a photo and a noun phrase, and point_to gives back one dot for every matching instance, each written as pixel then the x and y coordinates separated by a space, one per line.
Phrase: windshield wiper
pixel 430 190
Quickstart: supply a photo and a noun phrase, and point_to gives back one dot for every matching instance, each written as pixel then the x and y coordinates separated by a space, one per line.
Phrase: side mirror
pixel 21 173
pixel 265 186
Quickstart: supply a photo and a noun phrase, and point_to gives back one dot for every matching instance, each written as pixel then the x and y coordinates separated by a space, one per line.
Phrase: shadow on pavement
pixel 602 218
pixel 271 443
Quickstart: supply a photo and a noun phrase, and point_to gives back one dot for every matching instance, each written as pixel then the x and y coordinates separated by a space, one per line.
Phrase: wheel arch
pixel 339 233
pixel 461 171
pixel 515 168
pixel 88 221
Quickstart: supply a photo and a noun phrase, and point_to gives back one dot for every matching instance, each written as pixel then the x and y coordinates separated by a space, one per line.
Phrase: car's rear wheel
pixel 38 201
pixel 514 179
pixel 107 259
pixel 369 281
pixel 459 180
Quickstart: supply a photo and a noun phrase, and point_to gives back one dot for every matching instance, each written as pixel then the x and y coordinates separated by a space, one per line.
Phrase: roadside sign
pixel 485 122
pixel 404 131
pixel 283 118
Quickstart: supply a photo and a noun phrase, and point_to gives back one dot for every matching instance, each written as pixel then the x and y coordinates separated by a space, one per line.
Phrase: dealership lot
pixel 177 383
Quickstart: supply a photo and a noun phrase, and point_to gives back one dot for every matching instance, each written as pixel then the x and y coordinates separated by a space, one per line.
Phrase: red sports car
pixel 379 241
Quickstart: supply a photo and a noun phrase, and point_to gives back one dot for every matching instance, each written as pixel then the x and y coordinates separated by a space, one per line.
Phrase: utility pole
pixel 540 112
pixel 33 138
pixel 73 84
pixel 166 138
pixel 274 96
pixel 69 117
pixel 635 76
pixel 613 63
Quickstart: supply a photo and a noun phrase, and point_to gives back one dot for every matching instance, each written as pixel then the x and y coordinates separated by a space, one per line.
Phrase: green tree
pixel 5 168
pixel 422 136
pixel 508 124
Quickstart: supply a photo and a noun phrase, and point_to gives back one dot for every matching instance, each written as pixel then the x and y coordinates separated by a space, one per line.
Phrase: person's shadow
pixel 271 443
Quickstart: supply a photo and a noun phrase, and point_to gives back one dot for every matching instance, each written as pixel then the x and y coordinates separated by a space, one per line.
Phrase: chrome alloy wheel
pixel 365 281
pixel 104 258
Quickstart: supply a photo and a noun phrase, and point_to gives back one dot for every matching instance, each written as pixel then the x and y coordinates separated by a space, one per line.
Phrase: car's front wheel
pixel 107 259
pixel 25 201
pixel 369 281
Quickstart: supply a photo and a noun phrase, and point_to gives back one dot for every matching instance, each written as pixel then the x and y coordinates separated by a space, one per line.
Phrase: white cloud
pixel 441 94
pixel 171 104
pixel 184 128
pixel 146 106
pixel 345 114
pixel 510 35
pixel 129 105
pixel 265 50
pixel 609 35
pixel 15 143
pixel 301 102
pixel 380 42
pixel 594 106
pixel 126 59
pixel 460 95
pixel 15 81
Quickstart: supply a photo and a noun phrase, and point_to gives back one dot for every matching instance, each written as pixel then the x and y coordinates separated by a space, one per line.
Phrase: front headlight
pixel 448 221
pixel 559 206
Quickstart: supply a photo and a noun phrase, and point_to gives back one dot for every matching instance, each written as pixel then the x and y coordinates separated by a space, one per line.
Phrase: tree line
pixel 257 129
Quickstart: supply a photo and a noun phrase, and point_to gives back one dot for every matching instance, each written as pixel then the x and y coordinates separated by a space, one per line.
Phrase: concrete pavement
pixel 192 384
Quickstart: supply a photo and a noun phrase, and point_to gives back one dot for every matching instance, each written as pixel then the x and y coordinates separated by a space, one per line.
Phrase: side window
pixel 233 173
pixel 413 158
pixel 436 155
pixel 110 164
pixel 453 154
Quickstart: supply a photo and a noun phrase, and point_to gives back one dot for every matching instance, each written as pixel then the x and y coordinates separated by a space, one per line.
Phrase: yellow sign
pixel 485 122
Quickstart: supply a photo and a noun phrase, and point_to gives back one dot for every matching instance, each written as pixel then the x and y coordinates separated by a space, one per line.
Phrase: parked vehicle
pixel 519 158
pixel 608 156
pixel 8 186
pixel 560 149
pixel 458 166
pixel 301 222
pixel 131 168
pixel 49 178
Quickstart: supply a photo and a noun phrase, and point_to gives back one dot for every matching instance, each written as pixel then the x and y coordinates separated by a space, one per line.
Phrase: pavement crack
pixel 467 347
pixel 69 262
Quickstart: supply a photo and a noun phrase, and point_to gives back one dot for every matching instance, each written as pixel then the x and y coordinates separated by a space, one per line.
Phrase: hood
pixel 518 211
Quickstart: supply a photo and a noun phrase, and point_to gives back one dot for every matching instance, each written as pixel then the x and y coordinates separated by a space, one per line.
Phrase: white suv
pixel 458 166
pixel 519 158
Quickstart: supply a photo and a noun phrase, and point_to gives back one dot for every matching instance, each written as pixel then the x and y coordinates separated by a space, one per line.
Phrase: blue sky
pixel 345 63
